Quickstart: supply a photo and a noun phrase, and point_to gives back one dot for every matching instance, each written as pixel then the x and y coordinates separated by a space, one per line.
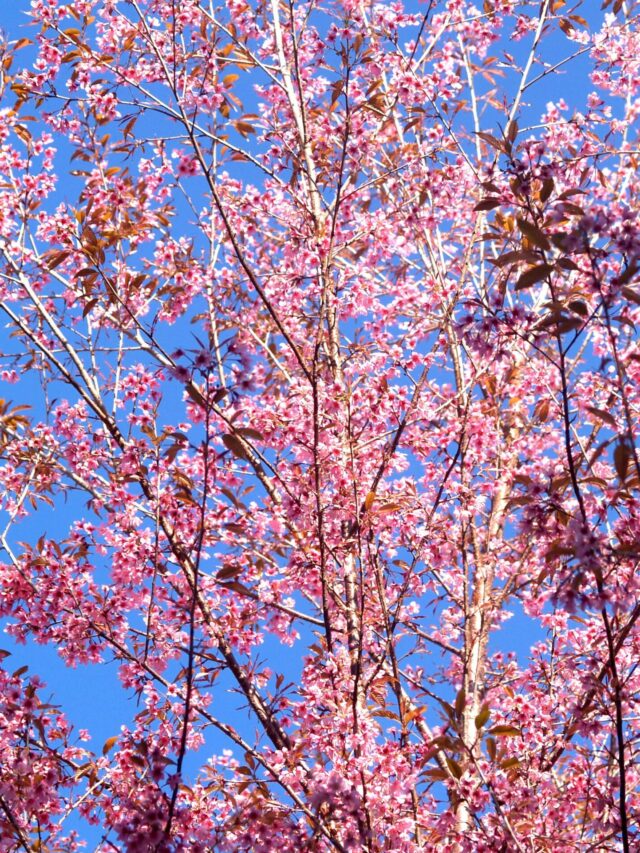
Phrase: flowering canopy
pixel 322 327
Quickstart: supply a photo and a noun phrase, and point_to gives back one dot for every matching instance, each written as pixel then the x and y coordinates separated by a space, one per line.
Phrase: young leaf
pixel 505 731
pixel 533 233
pixel 235 445
pixel 109 744
pixel 621 456
pixel 533 275
pixel 454 767
pixel 607 417
pixel 488 204
pixel 482 717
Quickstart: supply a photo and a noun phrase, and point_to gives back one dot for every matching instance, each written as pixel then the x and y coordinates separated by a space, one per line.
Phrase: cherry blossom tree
pixel 320 320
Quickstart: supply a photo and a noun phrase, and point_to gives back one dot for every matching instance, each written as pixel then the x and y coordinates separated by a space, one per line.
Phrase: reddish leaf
pixel 621 456
pixel 533 275
pixel 533 233
pixel 488 204
pixel 235 445
pixel 505 731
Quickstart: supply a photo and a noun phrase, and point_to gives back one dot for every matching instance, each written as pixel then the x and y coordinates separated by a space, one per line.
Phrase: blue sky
pixel 91 695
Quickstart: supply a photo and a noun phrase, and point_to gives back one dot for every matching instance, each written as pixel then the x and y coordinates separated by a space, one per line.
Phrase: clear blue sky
pixel 90 695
